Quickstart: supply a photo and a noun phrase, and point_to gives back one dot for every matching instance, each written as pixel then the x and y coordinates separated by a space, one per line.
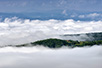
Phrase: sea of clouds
pixel 15 31
pixel 41 57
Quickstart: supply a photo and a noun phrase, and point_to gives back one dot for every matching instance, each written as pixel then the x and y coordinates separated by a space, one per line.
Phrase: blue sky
pixel 51 7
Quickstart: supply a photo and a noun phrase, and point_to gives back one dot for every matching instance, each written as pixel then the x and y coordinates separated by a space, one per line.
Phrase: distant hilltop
pixel 56 43
pixel 94 39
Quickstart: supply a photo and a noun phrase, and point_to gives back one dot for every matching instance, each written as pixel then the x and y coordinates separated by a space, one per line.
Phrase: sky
pixel 15 31
pixel 50 5
pixel 74 12
pixel 52 9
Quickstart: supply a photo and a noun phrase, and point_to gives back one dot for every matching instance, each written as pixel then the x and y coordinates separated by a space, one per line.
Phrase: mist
pixel 17 31
pixel 43 57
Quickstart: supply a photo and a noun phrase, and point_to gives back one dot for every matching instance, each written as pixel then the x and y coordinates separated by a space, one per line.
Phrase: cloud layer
pixel 41 57
pixel 16 31
pixel 91 15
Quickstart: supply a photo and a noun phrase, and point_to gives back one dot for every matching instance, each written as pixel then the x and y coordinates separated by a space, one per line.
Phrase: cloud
pixel 81 16
pixel 16 31
pixel 73 16
pixel 91 15
pixel 41 57
pixel 64 12
pixel 94 15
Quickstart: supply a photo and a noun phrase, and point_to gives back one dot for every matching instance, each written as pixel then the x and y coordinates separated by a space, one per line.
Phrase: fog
pixel 81 37
pixel 43 57
pixel 17 31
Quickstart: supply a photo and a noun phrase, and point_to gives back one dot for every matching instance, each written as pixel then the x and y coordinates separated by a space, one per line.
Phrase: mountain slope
pixel 56 43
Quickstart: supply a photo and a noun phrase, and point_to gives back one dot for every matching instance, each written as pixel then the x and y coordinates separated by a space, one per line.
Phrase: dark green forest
pixel 56 43
pixel 96 39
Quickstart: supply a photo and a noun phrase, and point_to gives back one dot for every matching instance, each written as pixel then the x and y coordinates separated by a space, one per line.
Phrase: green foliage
pixel 94 39
pixel 56 43
pixel 52 43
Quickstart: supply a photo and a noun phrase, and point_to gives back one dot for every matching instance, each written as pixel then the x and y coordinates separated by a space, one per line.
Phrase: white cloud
pixel 25 31
pixel 94 15
pixel 81 16
pixel 91 15
pixel 73 16
pixel 41 57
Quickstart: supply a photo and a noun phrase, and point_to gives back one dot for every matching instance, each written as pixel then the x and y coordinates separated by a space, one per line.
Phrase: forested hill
pixel 93 39
pixel 56 43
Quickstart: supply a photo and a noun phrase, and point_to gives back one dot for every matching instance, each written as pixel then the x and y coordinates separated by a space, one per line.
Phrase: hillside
pixel 56 43
pixel 90 40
